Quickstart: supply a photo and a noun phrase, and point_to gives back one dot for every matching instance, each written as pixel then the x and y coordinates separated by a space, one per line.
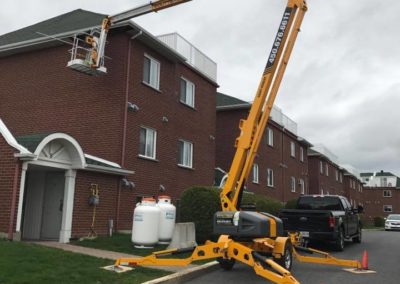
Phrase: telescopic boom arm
pixel 253 127
pixel 98 44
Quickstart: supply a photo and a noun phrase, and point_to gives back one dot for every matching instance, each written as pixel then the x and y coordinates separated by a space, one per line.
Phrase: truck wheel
pixel 339 242
pixel 226 264
pixel 357 239
pixel 287 258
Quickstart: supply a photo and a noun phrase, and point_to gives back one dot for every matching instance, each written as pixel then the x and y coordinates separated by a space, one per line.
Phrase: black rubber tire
pixel 286 261
pixel 357 239
pixel 226 264
pixel 339 242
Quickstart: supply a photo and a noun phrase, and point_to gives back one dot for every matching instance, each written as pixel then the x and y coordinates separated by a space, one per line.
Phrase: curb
pixel 186 275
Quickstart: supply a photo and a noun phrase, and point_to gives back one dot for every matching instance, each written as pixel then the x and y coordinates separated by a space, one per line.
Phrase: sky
pixel 341 86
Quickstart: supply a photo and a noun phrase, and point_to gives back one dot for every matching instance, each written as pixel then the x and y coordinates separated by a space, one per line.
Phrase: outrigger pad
pixel 118 269
pixel 359 271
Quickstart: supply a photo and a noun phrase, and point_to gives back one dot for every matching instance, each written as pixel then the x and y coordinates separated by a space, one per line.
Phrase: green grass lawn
pixel 28 263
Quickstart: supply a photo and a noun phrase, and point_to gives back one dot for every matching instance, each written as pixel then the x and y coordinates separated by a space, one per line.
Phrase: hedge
pixel 198 204
pixel 291 204
pixel 379 222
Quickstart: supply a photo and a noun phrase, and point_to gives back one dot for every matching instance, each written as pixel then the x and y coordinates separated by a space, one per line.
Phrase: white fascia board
pixel 106 170
pixel 10 139
pixel 111 164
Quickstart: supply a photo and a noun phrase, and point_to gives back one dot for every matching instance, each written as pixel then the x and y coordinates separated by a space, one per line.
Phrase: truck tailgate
pixel 305 220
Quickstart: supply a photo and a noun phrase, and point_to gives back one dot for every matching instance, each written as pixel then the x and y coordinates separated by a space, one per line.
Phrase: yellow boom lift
pixel 254 238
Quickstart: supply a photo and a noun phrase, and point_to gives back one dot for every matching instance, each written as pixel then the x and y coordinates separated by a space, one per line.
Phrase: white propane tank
pixel 166 223
pixel 145 223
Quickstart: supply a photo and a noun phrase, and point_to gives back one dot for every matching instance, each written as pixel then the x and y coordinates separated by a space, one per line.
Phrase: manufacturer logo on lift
pixel 279 37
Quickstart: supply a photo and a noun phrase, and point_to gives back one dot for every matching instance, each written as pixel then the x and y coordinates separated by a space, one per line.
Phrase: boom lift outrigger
pixel 253 238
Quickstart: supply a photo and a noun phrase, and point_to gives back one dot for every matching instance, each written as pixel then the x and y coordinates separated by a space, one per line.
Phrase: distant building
pixel 380 179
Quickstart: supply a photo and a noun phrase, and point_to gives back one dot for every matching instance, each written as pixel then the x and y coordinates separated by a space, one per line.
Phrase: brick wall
pixel 373 201
pixel 7 175
pixel 276 157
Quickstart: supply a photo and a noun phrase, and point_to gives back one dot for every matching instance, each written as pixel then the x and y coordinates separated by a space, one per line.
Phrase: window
pixel 185 154
pixel 270 137
pixel 292 149
pixel 302 186
pixel 387 193
pixel 337 175
pixel 270 177
pixel 293 184
pixel 340 177
pixel 187 92
pixel 384 182
pixel 151 72
pixel 387 208
pixel 147 144
pixel 321 167
pixel 255 173
pixel 301 154
pixel 326 169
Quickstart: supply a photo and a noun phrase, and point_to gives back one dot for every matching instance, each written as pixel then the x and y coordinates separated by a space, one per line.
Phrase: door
pixel 52 206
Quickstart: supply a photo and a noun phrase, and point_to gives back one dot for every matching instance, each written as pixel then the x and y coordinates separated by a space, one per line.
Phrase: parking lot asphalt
pixel 384 258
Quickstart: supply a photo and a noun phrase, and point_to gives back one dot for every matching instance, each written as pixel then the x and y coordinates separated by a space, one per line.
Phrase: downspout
pixel 125 122
pixel 13 201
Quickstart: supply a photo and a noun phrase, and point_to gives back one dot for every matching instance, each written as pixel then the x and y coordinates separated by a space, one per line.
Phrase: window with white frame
pixel 147 143
pixel 387 208
pixel 387 193
pixel 327 169
pixel 255 173
pixel 341 177
pixel 293 184
pixel 337 175
pixel 270 177
pixel 270 137
pixel 151 72
pixel 302 186
pixel 187 92
pixel 185 154
pixel 321 167
pixel 292 149
pixel 301 154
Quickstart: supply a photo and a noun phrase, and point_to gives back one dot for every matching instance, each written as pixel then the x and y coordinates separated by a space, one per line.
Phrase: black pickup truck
pixel 324 218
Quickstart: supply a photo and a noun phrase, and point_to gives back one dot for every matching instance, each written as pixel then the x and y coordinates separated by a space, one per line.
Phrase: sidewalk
pixel 107 254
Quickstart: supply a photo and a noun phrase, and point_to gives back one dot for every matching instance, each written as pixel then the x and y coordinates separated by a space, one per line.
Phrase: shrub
pixel 379 222
pixel 291 204
pixel 198 204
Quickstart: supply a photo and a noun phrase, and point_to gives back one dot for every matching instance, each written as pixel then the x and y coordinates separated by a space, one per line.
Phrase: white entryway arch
pixel 47 188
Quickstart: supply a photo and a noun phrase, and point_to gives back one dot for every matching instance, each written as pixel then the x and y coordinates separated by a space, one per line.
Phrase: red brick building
pixel 152 114
pixel 280 169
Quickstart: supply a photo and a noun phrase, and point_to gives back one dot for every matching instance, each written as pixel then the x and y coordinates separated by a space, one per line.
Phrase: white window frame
pixel 302 186
pixel 270 177
pixel 321 167
pixel 147 144
pixel 187 162
pixel 292 184
pixel 327 169
pixel 270 137
pixel 337 175
pixel 154 79
pixel 301 154
pixel 387 195
pixel 387 208
pixel 189 86
pixel 341 177
pixel 255 173
pixel 292 149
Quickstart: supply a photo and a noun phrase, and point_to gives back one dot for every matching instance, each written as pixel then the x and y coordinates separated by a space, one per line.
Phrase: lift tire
pixel 286 260
pixel 357 239
pixel 226 264
pixel 339 242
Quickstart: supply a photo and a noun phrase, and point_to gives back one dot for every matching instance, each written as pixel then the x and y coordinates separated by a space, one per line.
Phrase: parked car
pixel 328 218
pixel 392 222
